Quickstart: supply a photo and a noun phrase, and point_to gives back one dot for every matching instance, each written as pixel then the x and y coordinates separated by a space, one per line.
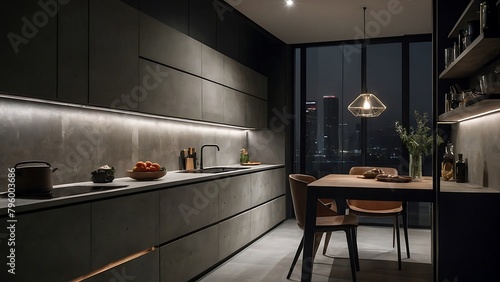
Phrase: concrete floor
pixel 270 257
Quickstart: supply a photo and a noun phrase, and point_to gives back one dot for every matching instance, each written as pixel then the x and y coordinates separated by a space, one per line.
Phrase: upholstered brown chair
pixel 327 221
pixel 382 209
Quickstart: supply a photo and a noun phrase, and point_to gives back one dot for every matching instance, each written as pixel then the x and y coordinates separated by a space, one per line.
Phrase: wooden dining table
pixel 343 186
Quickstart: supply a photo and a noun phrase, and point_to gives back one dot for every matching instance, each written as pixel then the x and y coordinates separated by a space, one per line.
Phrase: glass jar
pixel 447 171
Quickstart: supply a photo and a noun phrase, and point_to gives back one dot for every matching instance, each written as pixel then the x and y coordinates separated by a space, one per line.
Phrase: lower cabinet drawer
pixel 143 268
pixel 50 245
pixel 234 234
pixel 123 226
pixel 187 257
pixel 267 216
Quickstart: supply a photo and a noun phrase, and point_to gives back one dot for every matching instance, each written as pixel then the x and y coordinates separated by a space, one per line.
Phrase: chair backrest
pixel 298 188
pixel 373 205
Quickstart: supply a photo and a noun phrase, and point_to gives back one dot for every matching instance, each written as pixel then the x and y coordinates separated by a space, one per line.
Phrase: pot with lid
pixel 33 177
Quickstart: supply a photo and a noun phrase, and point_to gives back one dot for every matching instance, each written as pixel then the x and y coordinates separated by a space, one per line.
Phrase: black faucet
pixel 206 145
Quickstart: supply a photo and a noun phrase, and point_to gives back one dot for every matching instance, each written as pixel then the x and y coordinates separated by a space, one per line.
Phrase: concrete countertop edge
pixel 172 179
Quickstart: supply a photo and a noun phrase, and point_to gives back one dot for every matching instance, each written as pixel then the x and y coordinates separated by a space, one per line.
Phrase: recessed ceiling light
pixel 289 2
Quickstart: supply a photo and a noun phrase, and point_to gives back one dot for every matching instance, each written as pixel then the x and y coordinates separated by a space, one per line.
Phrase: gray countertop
pixel 172 179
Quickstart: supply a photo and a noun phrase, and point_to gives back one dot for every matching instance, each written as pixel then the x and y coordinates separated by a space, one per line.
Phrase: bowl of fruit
pixel 146 171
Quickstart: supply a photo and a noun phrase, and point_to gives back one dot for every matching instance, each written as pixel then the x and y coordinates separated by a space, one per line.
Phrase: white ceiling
pixel 336 20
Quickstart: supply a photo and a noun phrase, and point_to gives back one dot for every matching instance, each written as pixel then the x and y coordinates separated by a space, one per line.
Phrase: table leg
pixel 341 205
pixel 310 224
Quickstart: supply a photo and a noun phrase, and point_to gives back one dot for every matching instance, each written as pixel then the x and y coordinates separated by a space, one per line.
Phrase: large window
pixel 328 138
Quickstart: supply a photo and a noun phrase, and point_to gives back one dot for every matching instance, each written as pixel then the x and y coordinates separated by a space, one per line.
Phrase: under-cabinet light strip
pixel 479 115
pixel 103 109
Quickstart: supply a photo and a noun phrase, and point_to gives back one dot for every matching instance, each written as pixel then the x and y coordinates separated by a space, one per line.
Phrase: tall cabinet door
pixel 28 48
pixel 73 52
pixel 114 54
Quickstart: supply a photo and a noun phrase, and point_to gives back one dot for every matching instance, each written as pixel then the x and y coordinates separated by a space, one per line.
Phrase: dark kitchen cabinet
pixel 73 52
pixel 169 47
pixel 234 107
pixel 50 245
pixel 113 54
pixel 203 21
pixel 468 251
pixel 267 185
pixel 187 257
pixel 173 93
pixel 143 268
pixel 465 213
pixel 228 27
pixel 188 208
pixel 213 102
pixel 255 112
pixel 234 196
pixel 123 226
pixel 234 233
pixel 249 52
pixel 174 13
pixel 28 48
pixel 212 64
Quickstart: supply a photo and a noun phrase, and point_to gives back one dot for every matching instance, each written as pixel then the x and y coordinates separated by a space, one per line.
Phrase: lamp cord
pixel 364 24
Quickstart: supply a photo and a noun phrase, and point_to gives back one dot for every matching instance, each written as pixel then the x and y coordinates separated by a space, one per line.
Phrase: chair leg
pixel 394 234
pixel 405 226
pixel 327 240
pixel 396 218
pixel 355 244
pixel 352 255
pixel 299 249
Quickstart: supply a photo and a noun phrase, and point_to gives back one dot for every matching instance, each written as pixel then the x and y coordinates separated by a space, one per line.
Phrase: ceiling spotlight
pixel 289 2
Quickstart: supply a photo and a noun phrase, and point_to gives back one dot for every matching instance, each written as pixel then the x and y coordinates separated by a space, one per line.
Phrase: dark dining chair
pixel 327 220
pixel 382 209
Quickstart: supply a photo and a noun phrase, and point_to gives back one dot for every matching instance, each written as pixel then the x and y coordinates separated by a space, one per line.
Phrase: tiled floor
pixel 269 258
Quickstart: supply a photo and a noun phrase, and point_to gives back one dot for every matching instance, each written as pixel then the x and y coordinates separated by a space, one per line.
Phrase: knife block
pixel 187 161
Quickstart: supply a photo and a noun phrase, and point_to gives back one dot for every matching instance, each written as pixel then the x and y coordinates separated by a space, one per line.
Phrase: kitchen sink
pixel 217 169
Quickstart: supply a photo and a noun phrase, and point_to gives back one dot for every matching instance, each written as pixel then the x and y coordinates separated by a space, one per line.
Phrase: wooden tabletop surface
pixel 357 181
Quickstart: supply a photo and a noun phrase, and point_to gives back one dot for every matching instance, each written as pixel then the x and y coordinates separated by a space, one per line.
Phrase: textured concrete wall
pixel 78 140
pixel 479 141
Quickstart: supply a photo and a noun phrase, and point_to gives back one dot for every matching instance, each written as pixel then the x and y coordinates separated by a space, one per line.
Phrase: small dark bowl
pixel 102 176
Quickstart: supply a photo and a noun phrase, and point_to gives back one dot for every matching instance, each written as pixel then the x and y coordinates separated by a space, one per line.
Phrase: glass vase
pixel 416 167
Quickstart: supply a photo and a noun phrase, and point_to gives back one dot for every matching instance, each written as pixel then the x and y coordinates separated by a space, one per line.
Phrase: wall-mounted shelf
pixel 481 51
pixel 481 108
pixel 470 13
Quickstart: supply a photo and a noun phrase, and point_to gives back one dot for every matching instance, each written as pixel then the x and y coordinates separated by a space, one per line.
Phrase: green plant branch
pixel 418 141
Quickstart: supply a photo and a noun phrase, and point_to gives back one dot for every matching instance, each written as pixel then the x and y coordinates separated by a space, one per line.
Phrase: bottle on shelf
pixel 460 170
pixel 448 162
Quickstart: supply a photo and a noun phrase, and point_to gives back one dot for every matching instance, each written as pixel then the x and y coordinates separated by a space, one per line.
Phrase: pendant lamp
pixel 366 104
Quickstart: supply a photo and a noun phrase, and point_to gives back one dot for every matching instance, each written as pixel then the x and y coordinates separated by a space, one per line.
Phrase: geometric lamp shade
pixel 366 105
